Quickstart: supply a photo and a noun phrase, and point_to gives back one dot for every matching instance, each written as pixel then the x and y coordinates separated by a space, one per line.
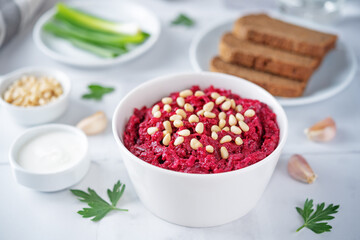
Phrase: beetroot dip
pixel 196 140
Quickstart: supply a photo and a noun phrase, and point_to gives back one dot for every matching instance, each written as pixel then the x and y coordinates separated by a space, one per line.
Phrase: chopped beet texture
pixel 261 139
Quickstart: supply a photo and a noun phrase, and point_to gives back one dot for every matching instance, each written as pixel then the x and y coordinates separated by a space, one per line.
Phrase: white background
pixel 27 214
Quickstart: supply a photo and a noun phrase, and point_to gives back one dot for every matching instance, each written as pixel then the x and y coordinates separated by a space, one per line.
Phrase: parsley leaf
pixel 315 220
pixel 98 206
pixel 116 193
pixel 182 19
pixel 97 92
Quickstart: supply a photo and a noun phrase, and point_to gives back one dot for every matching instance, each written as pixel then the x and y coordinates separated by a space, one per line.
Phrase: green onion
pixel 92 22
pixel 93 34
pixel 64 29
pixel 95 49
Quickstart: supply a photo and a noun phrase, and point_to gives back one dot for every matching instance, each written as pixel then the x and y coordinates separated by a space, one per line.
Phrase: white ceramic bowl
pixel 196 200
pixel 37 114
pixel 53 181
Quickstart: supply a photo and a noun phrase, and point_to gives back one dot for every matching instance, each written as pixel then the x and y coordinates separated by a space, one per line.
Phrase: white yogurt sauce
pixel 51 152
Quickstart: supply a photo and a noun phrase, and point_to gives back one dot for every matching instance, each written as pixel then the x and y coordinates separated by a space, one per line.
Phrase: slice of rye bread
pixel 261 28
pixel 263 58
pixel 277 86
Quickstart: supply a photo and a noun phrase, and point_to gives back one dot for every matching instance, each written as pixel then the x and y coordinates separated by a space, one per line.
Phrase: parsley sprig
pixel 182 19
pixel 98 206
pixel 97 92
pixel 315 221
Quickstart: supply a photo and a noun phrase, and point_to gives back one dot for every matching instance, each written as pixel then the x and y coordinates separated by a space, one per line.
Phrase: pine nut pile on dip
pixel 202 131
pixel 30 91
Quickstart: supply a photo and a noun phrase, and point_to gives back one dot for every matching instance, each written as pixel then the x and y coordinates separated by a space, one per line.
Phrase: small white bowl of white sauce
pixel 50 157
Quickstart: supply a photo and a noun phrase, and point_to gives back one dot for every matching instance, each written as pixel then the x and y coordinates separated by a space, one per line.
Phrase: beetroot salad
pixel 202 131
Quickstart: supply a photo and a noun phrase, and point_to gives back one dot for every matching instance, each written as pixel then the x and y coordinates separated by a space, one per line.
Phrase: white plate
pixel 126 11
pixel 334 74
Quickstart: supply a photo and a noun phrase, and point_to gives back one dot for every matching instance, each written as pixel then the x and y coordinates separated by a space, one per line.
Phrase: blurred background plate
pixel 334 74
pixel 124 11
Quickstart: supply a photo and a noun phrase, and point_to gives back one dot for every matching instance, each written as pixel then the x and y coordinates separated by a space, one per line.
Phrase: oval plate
pixel 335 72
pixel 63 51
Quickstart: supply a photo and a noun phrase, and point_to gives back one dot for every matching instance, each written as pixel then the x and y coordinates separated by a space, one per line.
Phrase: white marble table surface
pixel 27 214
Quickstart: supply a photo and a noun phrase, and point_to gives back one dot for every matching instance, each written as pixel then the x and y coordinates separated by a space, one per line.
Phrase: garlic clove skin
pixel 93 124
pixel 322 131
pixel 299 169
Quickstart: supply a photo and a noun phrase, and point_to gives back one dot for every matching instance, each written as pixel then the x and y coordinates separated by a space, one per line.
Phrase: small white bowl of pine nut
pixel 35 95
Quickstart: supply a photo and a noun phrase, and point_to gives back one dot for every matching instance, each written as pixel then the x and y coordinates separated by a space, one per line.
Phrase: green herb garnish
pixel 315 222
pixel 97 92
pixel 98 206
pixel 182 19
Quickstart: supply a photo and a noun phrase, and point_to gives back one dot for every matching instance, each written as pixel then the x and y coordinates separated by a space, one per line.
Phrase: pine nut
pixel 166 100
pixel 155 109
pixel 195 144
pixel 200 113
pixel 225 139
pixel 7 96
pixel 220 100
pixel 222 123
pixel 209 149
pixel 180 101
pixel 33 91
pixel 164 133
pixel 166 140
pixel 167 108
pixel 226 105
pixel 215 128
pixel 243 126
pixel 185 132
pixel 193 118
pixel 238 141
pixel 178 141
pixel 152 130
pixel 208 107
pixel 233 104
pixel 41 101
pixel 175 117
pixel 157 114
pixel 249 113
pixel 185 93
pixel 214 135
pixel 199 93
pixel 224 153
pixel 232 120
pixel 178 123
pixel 167 126
pixel 239 117
pixel 235 130
pixel 209 114
pixel 238 108
pixel 222 115
pixel 188 107
pixel 181 112
pixel 199 128
pixel 226 129
pixel 215 95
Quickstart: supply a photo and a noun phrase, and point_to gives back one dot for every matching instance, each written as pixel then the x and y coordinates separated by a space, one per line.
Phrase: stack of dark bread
pixel 276 55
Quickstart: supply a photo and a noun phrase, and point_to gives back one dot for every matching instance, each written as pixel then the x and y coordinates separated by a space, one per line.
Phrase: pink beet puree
pixel 258 142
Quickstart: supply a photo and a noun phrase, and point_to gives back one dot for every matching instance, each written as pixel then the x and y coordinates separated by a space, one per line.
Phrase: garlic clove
pixel 93 124
pixel 300 169
pixel 322 131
